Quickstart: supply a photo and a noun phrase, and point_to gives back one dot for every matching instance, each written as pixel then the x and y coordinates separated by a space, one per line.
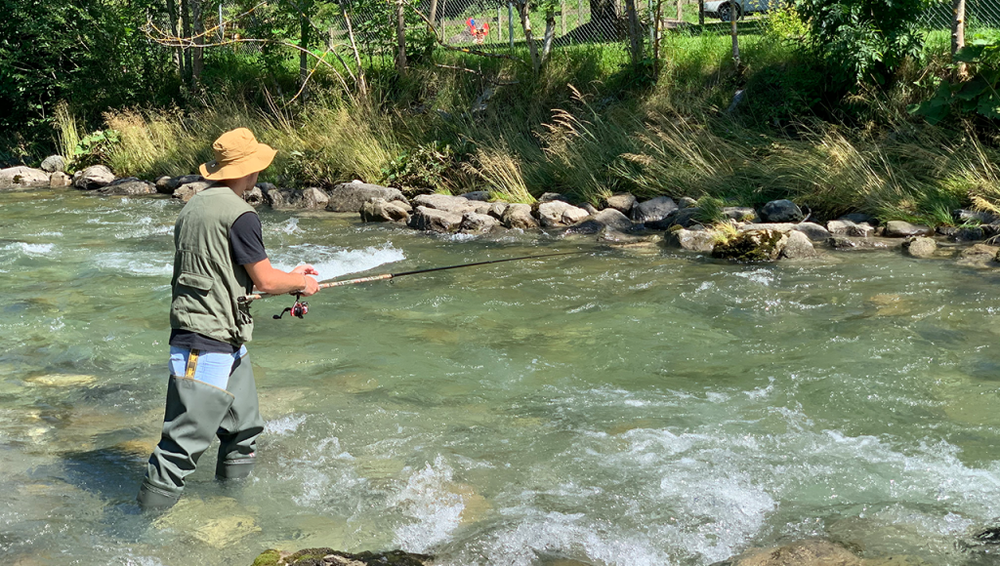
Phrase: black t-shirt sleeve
pixel 247 239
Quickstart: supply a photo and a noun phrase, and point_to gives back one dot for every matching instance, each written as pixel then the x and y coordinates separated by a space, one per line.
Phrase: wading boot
pixel 193 415
pixel 241 426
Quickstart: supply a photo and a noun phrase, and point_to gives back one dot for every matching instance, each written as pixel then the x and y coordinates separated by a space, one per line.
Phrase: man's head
pixel 239 158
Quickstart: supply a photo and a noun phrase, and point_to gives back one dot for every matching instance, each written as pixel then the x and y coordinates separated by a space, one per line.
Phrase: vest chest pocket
pixel 196 281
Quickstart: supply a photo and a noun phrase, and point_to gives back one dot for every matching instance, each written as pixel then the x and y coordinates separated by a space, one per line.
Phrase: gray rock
pixel 518 215
pixel 798 246
pixel 783 227
pixel 549 197
pixel 254 197
pixel 23 178
pixel 188 190
pixel 609 218
pixel 693 240
pixel 128 187
pixel 740 213
pixel 556 213
pixel 782 210
pixel 497 209
pixel 53 163
pixel 978 255
pixel 449 203
pixel 622 202
pixel 963 234
pixel 814 231
pixel 900 229
pixel 963 216
pixel 844 227
pixel 381 210
pixel 60 179
pixel 434 220
pixel 298 199
pixel 653 209
pixel 684 217
pixel 93 177
pixel 920 246
pixel 478 223
pixel 872 243
pixel 348 197
pixel 591 209
pixel 477 195
pixel 688 202
pixel 166 185
pixel 859 217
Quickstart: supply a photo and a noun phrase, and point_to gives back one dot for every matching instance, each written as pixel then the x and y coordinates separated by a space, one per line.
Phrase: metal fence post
pixel 510 22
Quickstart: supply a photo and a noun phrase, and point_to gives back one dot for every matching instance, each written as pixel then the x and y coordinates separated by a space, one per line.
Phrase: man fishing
pixel 219 257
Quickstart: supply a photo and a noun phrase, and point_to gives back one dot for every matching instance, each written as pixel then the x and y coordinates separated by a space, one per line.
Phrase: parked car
pixel 721 8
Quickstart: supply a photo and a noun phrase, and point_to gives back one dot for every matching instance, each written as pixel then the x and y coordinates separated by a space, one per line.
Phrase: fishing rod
pixel 301 308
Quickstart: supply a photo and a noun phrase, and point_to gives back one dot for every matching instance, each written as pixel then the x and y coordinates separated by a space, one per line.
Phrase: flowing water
pixel 623 406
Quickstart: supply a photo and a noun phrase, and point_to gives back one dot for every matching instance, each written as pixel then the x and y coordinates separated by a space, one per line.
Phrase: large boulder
pixel 53 163
pixel 919 246
pixel 59 179
pixel 692 240
pixel 23 178
pixel 653 209
pixel 188 190
pixel 434 220
pixel 901 229
pixel 845 227
pixel 381 210
pixel 798 246
pixel 622 202
pixel 449 203
pixel 129 186
pixel 473 222
pixel 93 178
pixel 752 246
pixel 556 213
pixel 295 199
pixel 609 218
pixel 518 215
pixel 348 197
pixel 782 210
pixel 683 217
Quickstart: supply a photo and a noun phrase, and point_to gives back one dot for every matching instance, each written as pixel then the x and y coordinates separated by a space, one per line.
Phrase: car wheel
pixel 724 10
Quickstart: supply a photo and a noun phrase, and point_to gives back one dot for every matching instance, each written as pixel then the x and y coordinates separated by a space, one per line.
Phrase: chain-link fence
pixel 979 15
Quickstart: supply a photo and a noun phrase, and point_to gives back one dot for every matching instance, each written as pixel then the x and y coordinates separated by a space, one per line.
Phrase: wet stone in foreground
pixel 330 557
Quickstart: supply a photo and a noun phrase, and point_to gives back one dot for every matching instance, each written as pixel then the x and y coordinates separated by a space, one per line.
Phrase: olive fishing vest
pixel 206 282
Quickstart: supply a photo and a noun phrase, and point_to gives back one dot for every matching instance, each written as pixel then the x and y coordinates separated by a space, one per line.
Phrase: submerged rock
pixel 752 246
pixel 330 557
pixel 920 247
pixel 979 255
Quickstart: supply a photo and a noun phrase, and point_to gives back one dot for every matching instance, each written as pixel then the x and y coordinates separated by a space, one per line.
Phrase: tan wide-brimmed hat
pixel 237 154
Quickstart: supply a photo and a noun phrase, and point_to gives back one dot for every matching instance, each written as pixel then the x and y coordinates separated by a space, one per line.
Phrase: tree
pixel 865 41
pixel 958 32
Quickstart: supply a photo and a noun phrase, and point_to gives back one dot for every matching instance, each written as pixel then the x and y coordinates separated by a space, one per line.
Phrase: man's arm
pixel 273 281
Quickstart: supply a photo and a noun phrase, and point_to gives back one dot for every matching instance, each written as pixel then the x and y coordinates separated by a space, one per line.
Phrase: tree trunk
pixel 657 16
pixel 958 32
pixel 198 53
pixel 400 38
pixel 736 40
pixel 433 14
pixel 550 33
pixel 680 10
pixel 701 13
pixel 304 41
pixel 524 11
pixel 186 33
pixel 635 32
pixel 178 54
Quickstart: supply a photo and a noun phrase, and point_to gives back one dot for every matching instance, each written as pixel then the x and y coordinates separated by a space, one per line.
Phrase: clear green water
pixel 633 407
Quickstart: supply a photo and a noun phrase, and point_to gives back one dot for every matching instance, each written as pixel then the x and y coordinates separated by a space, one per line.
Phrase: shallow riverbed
pixel 623 406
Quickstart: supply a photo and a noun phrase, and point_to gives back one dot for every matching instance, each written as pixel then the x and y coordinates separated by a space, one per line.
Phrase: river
pixel 628 406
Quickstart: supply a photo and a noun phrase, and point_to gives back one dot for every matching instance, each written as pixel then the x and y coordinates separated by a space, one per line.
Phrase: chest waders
pixel 205 287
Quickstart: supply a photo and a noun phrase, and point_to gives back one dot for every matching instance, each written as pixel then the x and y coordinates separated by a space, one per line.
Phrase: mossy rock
pixel 330 557
pixel 751 246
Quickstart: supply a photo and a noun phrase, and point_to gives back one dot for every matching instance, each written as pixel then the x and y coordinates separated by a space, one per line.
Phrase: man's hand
pixel 312 286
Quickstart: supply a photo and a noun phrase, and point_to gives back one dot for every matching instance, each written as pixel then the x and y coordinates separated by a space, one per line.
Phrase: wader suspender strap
pixel 192 364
